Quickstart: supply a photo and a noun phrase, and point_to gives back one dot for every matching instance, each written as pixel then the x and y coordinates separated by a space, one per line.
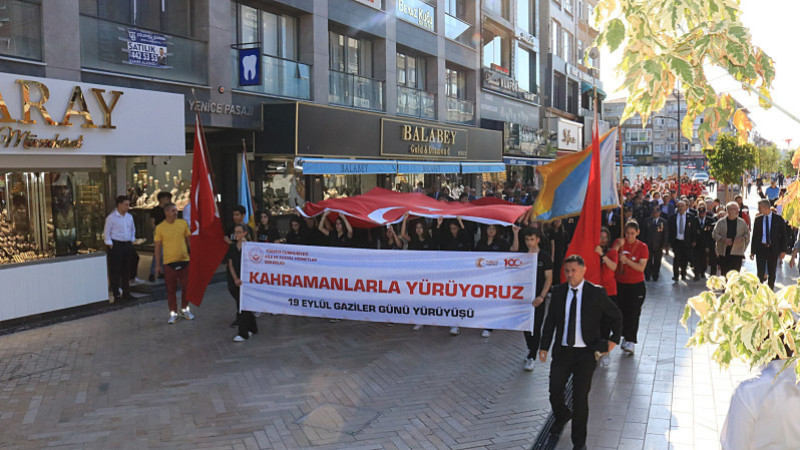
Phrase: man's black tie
pixel 573 307
pixel 768 230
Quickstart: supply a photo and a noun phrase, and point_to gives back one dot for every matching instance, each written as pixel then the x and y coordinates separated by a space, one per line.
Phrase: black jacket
pixel 705 229
pixel 655 236
pixel 778 236
pixel 597 310
pixel 688 234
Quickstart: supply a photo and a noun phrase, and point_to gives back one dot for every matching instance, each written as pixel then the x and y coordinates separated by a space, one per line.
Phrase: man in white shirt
pixel 763 411
pixel 119 234
pixel 579 314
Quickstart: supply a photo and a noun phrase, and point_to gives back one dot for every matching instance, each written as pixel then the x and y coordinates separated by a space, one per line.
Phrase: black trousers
pixel 705 257
pixel 580 363
pixel 730 262
pixel 605 327
pixel 119 267
pixel 766 259
pixel 653 267
pixel 245 319
pixel 532 339
pixel 683 253
pixel 630 298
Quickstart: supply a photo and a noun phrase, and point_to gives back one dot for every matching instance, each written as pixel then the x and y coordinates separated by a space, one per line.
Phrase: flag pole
pixel 621 184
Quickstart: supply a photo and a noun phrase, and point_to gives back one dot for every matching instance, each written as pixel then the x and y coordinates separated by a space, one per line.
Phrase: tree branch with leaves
pixel 666 41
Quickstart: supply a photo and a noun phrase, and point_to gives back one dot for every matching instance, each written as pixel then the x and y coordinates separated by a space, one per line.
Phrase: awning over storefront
pixel 427 167
pixel 329 166
pixel 482 167
pixel 325 166
pixel 588 87
pixel 523 161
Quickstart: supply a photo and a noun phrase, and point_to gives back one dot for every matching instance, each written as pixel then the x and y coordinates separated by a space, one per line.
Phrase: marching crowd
pixel 703 234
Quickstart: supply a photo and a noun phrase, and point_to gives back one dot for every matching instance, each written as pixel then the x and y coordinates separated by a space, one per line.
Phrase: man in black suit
pixel 579 310
pixel 769 242
pixel 704 252
pixel 656 236
pixel 682 229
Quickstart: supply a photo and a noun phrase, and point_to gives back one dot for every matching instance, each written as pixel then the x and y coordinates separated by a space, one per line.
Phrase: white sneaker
pixel 454 331
pixel 249 334
pixel 529 364
pixel 187 314
pixel 604 361
pixel 258 314
pixel 390 324
pixel 629 347
pixel 486 333
pixel 333 320
pixel 136 281
pixel 239 339
pixel 173 317
pixel 417 327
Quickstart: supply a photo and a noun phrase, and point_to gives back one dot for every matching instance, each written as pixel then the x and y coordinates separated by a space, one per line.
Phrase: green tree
pixel 728 160
pixel 669 41
pixel 768 159
pixel 786 164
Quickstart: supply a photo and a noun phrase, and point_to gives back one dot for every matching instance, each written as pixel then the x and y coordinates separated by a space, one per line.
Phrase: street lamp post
pixel 678 120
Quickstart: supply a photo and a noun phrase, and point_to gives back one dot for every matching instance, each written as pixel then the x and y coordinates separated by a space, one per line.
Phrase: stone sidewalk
pixel 126 379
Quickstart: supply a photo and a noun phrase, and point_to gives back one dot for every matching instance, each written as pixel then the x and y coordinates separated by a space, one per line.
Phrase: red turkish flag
pixel 587 232
pixel 382 206
pixel 207 240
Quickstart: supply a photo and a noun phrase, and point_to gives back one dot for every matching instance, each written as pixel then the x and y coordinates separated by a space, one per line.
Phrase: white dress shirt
pixel 766 223
pixel 119 228
pixel 681 223
pixel 763 411
pixel 579 301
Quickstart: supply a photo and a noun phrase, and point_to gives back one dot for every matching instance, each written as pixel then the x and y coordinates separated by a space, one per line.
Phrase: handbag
pixel 178 265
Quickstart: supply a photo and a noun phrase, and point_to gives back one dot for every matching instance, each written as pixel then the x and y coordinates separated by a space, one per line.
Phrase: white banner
pixel 465 289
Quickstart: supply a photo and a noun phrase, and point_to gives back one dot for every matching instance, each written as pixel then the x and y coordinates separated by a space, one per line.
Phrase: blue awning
pixel 523 161
pixel 325 166
pixel 482 167
pixel 427 167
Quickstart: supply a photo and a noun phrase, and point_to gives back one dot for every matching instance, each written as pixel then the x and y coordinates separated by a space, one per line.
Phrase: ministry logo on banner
pixel 473 290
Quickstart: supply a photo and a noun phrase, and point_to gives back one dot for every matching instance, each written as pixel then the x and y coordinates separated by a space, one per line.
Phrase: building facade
pixel 329 98
pixel 657 142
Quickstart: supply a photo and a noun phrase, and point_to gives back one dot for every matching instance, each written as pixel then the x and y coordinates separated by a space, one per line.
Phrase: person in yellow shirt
pixel 172 244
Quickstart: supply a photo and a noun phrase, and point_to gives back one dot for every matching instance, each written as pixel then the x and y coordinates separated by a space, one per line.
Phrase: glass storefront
pixel 50 214
pixel 21 29
pixel 146 177
pixel 281 188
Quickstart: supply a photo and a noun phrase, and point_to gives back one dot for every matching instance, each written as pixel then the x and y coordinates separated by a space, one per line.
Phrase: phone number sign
pixel 146 49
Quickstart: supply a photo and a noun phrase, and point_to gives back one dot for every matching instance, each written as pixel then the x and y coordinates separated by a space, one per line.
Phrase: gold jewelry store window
pixel 50 214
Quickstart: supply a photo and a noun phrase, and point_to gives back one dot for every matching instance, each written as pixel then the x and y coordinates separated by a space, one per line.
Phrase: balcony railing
pixel 460 110
pixel 103 47
pixel 417 103
pixel 353 90
pixel 457 30
pixel 280 76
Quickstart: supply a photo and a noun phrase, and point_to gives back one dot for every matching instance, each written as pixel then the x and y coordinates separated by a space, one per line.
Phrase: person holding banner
pixel 578 310
pixel 454 240
pixel 421 239
pixel 342 235
pixel 490 242
pixel 544 279
pixel 245 320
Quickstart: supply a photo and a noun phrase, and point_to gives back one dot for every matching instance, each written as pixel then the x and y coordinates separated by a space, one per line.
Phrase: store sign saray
pixel 382 206
pixel 41 116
